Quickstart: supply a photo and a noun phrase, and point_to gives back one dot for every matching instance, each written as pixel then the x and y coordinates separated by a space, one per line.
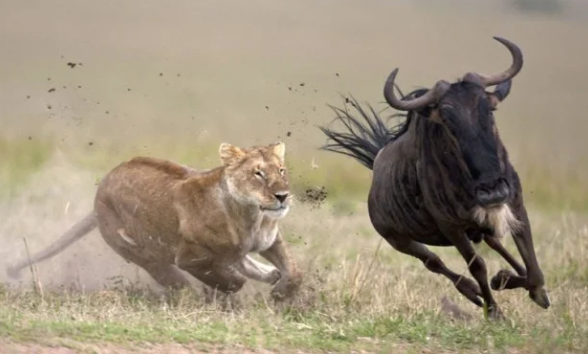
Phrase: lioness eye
pixel 282 170
pixel 259 174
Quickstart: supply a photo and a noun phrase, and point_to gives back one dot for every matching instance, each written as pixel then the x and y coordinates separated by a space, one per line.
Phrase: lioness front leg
pixel 291 278
pixel 259 271
pixel 206 267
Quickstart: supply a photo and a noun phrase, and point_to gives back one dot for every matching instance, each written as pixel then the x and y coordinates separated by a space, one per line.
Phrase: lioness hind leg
pixel 225 279
pixel 114 234
pixel 164 274
pixel 219 284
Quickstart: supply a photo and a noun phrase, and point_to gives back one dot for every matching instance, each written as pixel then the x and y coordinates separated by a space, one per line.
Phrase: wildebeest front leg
pixel 477 268
pixel 464 285
pixel 524 241
pixel 495 244
pixel 505 279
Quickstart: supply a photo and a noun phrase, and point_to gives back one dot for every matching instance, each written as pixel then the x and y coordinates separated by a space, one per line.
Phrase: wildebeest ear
pixel 279 149
pixel 500 93
pixel 229 153
pixel 424 111
pixel 429 112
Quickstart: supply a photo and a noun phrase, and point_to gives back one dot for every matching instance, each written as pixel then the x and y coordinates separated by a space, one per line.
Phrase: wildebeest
pixel 443 178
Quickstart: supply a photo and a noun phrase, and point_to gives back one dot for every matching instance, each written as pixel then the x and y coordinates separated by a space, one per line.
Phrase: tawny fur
pixel 161 215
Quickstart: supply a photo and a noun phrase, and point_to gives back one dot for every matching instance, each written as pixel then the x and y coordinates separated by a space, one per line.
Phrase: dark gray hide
pixel 443 178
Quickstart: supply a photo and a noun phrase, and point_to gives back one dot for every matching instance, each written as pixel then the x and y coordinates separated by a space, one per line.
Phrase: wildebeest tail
pixel 365 135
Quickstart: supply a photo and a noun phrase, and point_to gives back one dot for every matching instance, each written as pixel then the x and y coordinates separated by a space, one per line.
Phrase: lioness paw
pixel 286 288
pixel 274 276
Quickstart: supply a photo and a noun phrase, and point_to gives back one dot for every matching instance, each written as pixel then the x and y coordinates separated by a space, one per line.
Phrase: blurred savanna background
pixel 86 85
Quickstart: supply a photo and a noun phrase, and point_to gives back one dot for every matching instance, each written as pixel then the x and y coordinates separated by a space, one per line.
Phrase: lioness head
pixel 257 176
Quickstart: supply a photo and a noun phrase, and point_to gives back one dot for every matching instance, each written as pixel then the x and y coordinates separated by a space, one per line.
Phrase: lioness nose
pixel 281 196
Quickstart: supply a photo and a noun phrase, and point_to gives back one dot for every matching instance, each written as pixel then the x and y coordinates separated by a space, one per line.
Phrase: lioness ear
pixel 229 153
pixel 280 150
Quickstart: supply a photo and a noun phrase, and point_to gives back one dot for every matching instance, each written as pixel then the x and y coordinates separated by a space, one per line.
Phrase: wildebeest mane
pixel 363 140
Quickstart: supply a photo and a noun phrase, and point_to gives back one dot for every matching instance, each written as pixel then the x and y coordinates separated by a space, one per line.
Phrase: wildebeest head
pixel 465 111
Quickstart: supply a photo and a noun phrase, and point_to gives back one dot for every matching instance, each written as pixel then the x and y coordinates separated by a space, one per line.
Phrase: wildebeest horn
pixel 406 105
pixel 517 65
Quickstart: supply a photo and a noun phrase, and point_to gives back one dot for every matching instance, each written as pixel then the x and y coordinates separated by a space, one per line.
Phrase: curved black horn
pixel 517 65
pixel 407 105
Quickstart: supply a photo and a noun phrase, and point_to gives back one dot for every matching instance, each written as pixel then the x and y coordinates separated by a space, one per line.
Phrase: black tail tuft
pixel 362 141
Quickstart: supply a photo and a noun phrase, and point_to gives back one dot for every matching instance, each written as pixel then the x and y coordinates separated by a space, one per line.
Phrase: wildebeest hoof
pixel 470 290
pixel 540 297
pixel 495 314
pixel 506 279
pixel 500 280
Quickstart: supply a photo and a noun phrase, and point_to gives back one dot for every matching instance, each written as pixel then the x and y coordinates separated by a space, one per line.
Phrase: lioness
pixel 158 214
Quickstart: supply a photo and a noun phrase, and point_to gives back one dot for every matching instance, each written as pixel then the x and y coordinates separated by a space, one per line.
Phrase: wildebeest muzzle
pixel 492 193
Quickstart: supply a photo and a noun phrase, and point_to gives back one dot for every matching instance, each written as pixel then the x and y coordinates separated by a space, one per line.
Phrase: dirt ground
pixel 13 348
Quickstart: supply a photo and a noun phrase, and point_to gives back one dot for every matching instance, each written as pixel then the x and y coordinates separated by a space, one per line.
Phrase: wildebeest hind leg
pixel 464 285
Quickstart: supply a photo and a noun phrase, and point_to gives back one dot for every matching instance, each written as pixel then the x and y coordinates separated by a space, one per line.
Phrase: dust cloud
pixel 56 198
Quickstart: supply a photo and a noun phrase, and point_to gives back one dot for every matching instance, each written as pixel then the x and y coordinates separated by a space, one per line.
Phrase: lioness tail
pixel 76 232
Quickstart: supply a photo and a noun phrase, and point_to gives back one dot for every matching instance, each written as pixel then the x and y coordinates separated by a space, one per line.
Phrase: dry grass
pixel 359 293
pixel 233 72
